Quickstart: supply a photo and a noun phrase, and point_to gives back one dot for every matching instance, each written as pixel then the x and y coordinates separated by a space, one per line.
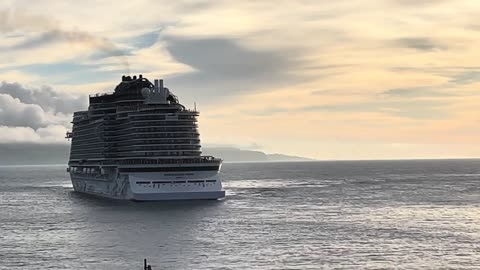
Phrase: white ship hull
pixel 150 186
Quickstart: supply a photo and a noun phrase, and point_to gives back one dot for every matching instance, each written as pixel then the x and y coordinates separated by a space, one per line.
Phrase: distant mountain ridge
pixel 42 154
pixel 282 157
pixel 238 155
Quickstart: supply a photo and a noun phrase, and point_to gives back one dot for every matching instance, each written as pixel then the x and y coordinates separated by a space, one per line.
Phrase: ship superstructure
pixel 140 143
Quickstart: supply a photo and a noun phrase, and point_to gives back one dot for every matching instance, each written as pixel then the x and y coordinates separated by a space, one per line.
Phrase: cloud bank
pixel 35 115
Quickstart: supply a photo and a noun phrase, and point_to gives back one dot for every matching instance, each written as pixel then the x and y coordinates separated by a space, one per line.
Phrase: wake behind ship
pixel 140 143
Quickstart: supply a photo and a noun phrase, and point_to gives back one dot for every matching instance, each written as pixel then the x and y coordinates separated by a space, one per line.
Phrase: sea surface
pixel 299 215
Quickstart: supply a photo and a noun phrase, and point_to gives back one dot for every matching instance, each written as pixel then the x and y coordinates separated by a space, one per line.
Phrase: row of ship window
pixel 155 124
pixel 174 182
pixel 135 152
pixel 128 140
pixel 151 129
pixel 83 121
pixel 155 154
pixel 161 117
pixel 168 141
pixel 159 184
pixel 141 143
pixel 136 155
pixel 100 149
pixel 100 143
pixel 141 161
pixel 179 153
pixel 203 159
pixel 157 120
pixel 132 103
pixel 147 115
pixel 165 147
pixel 127 136
pixel 147 128
pixel 124 111
pixel 156 135
pixel 87 170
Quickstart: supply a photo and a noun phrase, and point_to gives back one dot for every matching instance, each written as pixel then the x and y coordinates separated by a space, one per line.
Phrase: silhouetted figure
pixel 145 266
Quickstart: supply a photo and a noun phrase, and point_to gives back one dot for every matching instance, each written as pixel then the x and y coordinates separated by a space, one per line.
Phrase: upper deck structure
pixel 139 128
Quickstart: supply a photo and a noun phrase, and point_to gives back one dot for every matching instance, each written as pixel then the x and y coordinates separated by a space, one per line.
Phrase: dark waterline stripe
pixel 169 169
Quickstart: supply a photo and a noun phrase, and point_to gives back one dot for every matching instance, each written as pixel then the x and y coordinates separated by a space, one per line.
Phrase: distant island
pixel 44 154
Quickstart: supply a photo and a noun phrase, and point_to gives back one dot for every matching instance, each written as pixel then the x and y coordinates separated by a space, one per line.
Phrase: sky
pixel 345 79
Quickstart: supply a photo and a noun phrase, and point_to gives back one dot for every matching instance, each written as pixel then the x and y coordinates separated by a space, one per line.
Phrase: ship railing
pixel 203 159
pixel 195 112
pixel 101 94
pixel 196 160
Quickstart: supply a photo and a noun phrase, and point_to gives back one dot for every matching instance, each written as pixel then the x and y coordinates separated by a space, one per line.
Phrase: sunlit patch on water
pixel 276 183
pixel 264 183
pixel 52 184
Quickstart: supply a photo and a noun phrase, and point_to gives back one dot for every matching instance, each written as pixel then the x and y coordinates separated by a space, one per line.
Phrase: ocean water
pixel 305 215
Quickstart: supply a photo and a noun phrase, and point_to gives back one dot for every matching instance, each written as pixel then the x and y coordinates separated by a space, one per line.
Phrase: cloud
pixel 416 3
pixel 187 6
pixel 145 40
pixel 222 64
pixel 270 111
pixel 226 58
pixel 419 43
pixel 408 107
pixel 13 20
pixel 45 135
pixel 16 20
pixel 417 92
pixel 45 98
pixel 15 113
pixel 35 115
pixel 466 77
pixel 337 92
pixel 245 146
pixel 68 72
pixel 413 109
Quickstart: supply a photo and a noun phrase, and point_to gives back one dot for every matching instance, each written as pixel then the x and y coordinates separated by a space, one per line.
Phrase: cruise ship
pixel 139 143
